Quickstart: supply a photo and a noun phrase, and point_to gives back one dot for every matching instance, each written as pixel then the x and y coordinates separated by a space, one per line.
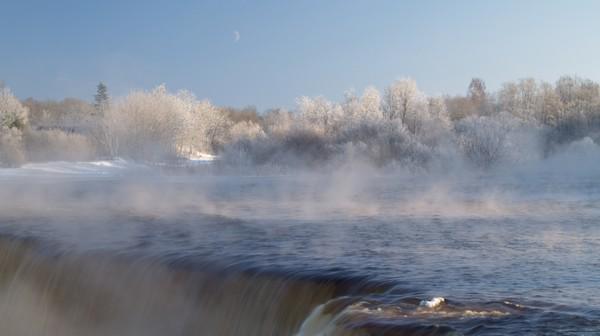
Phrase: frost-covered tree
pixel 521 99
pixel 278 122
pixel 566 88
pixel 370 103
pixel 588 101
pixel 478 96
pixel 362 110
pixel 482 140
pixel 12 113
pixel 245 143
pixel 245 130
pixel 13 119
pixel 437 126
pixel 549 105
pixel 145 125
pixel 477 90
pixel 351 108
pixel 404 101
pixel 319 115
pixel 400 125
pixel 209 126
pixel 502 138
pixel 437 110
pixel 579 113
pixel 157 124
pixel 579 97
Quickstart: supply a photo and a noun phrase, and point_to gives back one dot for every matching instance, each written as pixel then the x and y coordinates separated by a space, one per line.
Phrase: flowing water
pixel 144 253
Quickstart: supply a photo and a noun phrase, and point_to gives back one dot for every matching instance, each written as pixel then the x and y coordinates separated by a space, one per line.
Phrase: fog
pixel 104 206
pixel 104 228
pixel 95 191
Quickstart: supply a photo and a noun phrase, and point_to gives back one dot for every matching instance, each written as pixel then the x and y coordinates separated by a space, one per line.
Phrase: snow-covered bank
pixel 202 158
pixel 86 168
pixel 112 167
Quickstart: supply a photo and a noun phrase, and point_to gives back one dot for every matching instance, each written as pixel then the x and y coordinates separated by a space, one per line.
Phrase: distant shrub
pixel 11 147
pixel 52 145
pixel 482 140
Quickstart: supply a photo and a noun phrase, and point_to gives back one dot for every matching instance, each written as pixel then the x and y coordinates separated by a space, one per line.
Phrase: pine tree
pixel 101 98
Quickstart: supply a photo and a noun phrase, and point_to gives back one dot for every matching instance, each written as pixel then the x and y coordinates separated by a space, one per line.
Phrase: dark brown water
pixel 299 255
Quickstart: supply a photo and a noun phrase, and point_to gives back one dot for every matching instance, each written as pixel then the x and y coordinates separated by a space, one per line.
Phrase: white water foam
pixel 433 303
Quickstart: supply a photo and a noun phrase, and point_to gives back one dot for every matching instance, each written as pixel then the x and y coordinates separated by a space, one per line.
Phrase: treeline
pixel 399 126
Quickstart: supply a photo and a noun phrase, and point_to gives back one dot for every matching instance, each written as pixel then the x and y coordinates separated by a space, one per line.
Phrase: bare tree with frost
pixel 319 115
pixel 210 126
pixel 367 107
pixel 404 101
pixel 13 120
pixel 145 125
pixel 522 99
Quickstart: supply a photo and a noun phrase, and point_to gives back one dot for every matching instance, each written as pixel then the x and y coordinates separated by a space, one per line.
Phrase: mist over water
pixel 408 208
pixel 113 247
pixel 393 214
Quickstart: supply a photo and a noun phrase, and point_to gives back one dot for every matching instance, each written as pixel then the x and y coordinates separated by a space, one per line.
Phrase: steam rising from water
pixel 115 248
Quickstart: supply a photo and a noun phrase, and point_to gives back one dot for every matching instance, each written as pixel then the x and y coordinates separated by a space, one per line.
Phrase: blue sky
pixel 62 48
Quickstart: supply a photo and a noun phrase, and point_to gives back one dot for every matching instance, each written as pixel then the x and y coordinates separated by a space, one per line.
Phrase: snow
pixel 101 168
pixel 202 157
pixel 65 168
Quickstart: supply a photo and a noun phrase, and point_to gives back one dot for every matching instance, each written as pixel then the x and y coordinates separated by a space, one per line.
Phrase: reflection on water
pixel 299 255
